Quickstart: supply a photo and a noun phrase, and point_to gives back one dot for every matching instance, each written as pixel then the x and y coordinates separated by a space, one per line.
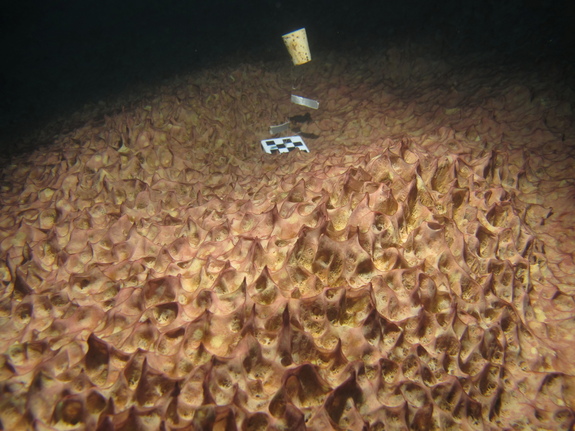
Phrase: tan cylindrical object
pixel 296 43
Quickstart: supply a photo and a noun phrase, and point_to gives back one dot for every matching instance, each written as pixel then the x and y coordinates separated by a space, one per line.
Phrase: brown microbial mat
pixel 415 270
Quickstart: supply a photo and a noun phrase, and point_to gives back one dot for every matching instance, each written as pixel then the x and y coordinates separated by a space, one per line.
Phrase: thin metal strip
pixel 310 103
pixel 274 130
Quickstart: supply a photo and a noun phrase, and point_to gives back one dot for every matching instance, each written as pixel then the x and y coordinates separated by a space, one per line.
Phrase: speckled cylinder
pixel 296 43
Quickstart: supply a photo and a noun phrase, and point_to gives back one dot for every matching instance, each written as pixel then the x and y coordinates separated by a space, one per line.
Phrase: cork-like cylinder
pixel 296 43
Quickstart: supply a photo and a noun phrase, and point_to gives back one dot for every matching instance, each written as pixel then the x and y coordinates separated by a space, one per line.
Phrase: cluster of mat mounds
pixel 159 271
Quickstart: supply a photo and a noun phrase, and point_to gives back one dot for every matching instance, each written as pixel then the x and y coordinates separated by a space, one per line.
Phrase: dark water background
pixel 60 55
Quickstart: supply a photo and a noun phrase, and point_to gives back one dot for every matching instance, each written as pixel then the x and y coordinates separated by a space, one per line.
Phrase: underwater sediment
pixel 414 270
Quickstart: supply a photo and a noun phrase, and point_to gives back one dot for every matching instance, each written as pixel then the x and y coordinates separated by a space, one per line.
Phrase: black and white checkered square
pixel 284 145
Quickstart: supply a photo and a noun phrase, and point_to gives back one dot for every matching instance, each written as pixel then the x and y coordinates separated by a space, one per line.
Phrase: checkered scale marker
pixel 284 145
